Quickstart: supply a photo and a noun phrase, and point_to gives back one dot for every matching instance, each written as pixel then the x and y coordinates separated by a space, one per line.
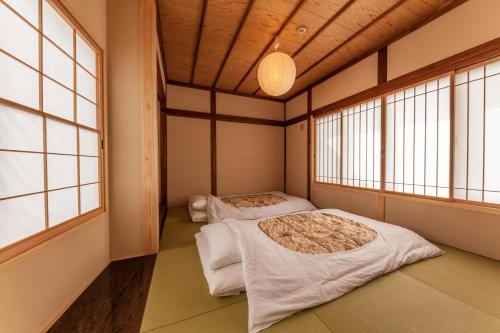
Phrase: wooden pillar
pixel 213 142
pixel 149 127
pixel 381 78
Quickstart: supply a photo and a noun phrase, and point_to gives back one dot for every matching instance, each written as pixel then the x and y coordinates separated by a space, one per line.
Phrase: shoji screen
pixel 361 138
pixel 49 129
pixel 328 149
pixel 418 139
pixel 477 134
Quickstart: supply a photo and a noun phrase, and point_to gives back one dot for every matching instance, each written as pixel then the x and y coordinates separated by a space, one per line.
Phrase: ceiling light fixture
pixel 276 73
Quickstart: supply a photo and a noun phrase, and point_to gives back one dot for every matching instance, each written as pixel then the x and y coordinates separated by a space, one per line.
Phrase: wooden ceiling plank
pixel 179 25
pixel 320 30
pixel 359 32
pixel 292 14
pixel 316 34
pixel 443 9
pixel 233 41
pixel 198 39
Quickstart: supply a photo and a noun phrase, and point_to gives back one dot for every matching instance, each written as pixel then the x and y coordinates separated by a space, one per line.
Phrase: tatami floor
pixel 457 292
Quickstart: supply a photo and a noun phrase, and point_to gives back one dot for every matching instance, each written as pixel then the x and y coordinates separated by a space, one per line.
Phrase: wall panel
pixel 296 159
pixel 297 106
pixel 250 158
pixel 359 77
pixel 473 23
pixel 471 231
pixel 248 107
pixel 125 134
pixel 328 196
pixel 188 99
pixel 188 159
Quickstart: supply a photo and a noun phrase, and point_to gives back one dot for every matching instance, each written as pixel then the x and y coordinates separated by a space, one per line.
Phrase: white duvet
pixel 218 211
pixel 280 282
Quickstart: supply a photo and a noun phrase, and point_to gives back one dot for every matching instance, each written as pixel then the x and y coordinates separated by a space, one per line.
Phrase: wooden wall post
pixel 381 78
pixel 309 114
pixel 149 127
pixel 213 141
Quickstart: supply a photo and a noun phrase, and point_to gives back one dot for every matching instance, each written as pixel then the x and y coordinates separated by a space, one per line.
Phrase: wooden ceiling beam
pixel 233 41
pixel 283 25
pixel 356 34
pixel 198 39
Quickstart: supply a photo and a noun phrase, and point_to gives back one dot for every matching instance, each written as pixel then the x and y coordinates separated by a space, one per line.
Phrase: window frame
pixel 12 250
pixel 382 91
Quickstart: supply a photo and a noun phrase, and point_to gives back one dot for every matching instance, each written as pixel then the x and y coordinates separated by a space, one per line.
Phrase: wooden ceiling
pixel 219 43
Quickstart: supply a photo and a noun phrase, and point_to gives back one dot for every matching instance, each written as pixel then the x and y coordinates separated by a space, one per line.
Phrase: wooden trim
pixel 356 34
pixel 437 14
pixel 382 65
pixel 452 135
pixel 284 148
pixel 198 39
pixel 249 120
pixel 309 113
pixel 149 130
pixel 283 25
pixel 163 159
pixel 213 142
pixel 466 58
pixel 225 91
pixel 381 78
pixel 28 243
pixel 233 41
pixel 222 117
pixel 297 119
pixel 186 114
pixel 60 312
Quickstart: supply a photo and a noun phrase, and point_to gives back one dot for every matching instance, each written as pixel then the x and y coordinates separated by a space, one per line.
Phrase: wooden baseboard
pixel 74 297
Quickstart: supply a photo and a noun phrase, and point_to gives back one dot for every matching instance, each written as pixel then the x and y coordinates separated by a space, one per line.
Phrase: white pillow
pixel 198 215
pixel 198 202
pixel 223 245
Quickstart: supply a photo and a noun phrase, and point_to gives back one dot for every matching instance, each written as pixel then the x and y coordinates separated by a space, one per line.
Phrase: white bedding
pixel 197 216
pixel 218 211
pixel 223 246
pixel 281 282
pixel 224 281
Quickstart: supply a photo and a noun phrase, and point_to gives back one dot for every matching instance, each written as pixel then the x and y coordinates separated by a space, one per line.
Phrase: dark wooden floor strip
pixel 114 302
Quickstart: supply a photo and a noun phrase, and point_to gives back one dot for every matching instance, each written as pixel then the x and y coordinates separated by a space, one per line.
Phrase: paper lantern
pixel 276 73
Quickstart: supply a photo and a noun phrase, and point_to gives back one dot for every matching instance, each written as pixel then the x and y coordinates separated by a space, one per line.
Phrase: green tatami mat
pixel 178 230
pixel 234 319
pixel 178 290
pixel 468 277
pixel 398 303
pixel 454 293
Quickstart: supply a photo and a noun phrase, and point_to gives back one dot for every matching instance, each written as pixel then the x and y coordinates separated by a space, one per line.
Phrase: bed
pixel 254 206
pixel 296 261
